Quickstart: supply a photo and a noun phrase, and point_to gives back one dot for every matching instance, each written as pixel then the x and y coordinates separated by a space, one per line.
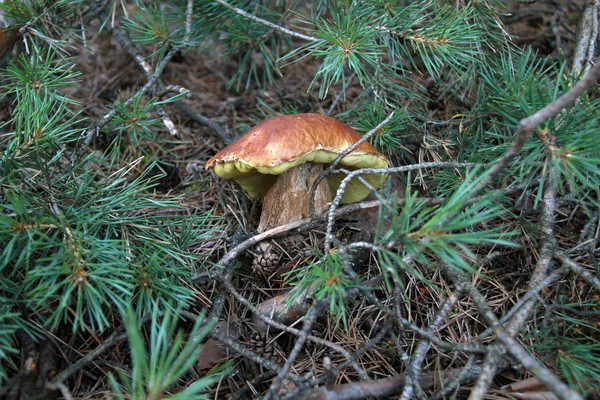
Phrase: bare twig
pixel 367 136
pixel 450 385
pixel 64 390
pixel 189 14
pixel 579 270
pixel 307 326
pixel 561 390
pixel 412 378
pixel 216 128
pixel 115 338
pixel 271 25
pixel 382 388
pixel 528 296
pixel 424 333
pixel 242 393
pixel 341 94
pixel 269 321
pixel 587 37
pixel 535 286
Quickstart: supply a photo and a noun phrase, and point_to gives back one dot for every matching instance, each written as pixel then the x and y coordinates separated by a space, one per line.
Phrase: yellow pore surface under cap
pixel 281 143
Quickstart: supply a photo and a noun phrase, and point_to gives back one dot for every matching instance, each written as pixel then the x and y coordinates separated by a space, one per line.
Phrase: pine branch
pixel 267 23
pixel 527 125
pixel 414 369
pixel 388 386
pixel 587 37
pixel 511 345
pixel 307 327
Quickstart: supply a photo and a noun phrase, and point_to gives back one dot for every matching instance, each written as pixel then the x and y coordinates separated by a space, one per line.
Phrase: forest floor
pixel 550 27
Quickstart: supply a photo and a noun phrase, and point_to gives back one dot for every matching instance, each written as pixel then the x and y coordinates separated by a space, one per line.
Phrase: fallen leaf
pixel 213 351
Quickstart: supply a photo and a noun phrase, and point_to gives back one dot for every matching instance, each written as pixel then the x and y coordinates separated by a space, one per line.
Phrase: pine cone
pixel 266 259
pixel 267 348
pixel 269 255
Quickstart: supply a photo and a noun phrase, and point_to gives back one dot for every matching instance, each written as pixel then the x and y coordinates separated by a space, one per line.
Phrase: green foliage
pixel 567 145
pixel 161 361
pixel 569 342
pixel 161 26
pixel 85 242
pixel 391 137
pixel 324 279
pixel 445 233
pixel 8 327
pixel 438 37
pixel 246 42
pixel 82 237
pixel 133 125
pixel 149 26
pixel 347 40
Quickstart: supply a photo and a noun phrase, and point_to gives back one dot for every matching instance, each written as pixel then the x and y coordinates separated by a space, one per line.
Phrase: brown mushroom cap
pixel 280 143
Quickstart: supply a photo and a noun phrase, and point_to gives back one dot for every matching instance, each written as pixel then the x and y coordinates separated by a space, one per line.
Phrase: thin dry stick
pixel 341 94
pixel 419 355
pixel 64 390
pixel 196 116
pixel 450 385
pixel 309 321
pixel 529 294
pixel 277 325
pixel 561 390
pixel 367 136
pixel 271 25
pixel 326 378
pixel 89 357
pixel 579 270
pixel 383 388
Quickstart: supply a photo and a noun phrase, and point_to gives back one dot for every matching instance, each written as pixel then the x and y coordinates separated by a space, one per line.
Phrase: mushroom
pixel 278 160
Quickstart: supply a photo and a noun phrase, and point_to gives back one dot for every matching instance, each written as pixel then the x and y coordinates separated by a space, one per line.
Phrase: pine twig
pixel 579 270
pixel 527 125
pixel 386 387
pixel 414 369
pixel 510 344
pixel 271 25
pixel 307 326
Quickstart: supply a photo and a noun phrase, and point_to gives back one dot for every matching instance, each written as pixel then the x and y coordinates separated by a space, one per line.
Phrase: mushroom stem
pixel 288 199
